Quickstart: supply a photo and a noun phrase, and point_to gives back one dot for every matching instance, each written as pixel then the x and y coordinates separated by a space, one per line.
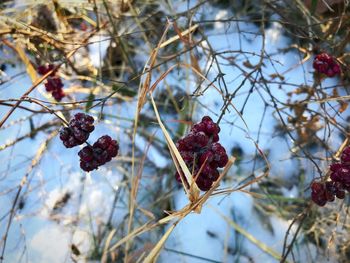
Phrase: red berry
pixel 316 187
pixel 214 175
pixel 101 152
pixel 318 193
pixel 86 154
pixel 326 64
pixel 207 119
pixel 345 156
pixel 335 166
pixel 43 69
pixel 223 160
pixel 199 127
pixel 204 184
pixel 340 194
pixel 187 156
pixel 53 83
pixel 201 139
pixel 207 157
pixel 211 128
pixel 202 142
pixel 318 199
pixel 215 137
pixel 78 130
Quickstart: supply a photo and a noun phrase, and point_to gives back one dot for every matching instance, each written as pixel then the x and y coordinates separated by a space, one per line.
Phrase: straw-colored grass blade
pixel 153 255
pixel 29 67
pixel 197 207
pixel 108 242
pixel 142 229
pixel 174 38
pixel 248 236
pixel 194 190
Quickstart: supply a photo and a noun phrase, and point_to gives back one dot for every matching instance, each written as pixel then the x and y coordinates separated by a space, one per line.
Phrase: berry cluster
pixel 326 64
pixel 53 83
pixel 91 157
pixel 321 192
pixel 101 152
pixel 202 152
pixel 78 130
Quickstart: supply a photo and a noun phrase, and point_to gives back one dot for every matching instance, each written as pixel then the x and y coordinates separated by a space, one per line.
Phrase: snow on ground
pixel 210 236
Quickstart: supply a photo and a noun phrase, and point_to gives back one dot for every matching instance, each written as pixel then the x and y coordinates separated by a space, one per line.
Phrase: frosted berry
pixel 345 156
pixel 53 83
pixel 203 183
pixel 318 193
pixel 200 148
pixel 58 95
pixel 188 156
pixel 200 139
pixel 340 194
pixel 78 130
pixel 323 192
pixel 207 157
pixel 214 175
pixel 340 180
pixel 206 119
pixel 326 64
pixel 101 152
pixel 215 137
pixel 43 69
pixel 340 173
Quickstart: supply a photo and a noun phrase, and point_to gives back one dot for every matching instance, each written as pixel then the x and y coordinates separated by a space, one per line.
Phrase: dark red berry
pixel 201 140
pixel 43 69
pixel 223 160
pixel 211 128
pixel 207 157
pixel 207 119
pixel 86 154
pixel 181 145
pixel 53 83
pixel 340 194
pixel 201 148
pixel 58 95
pixel 326 64
pixel 335 166
pixel 316 186
pixel 103 142
pixel 318 193
pixel 204 184
pixel 319 199
pixel 215 137
pixel 342 174
pixel 199 127
pixel 101 152
pixel 345 156
pixel 188 156
pixel 214 175
pixel 78 130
